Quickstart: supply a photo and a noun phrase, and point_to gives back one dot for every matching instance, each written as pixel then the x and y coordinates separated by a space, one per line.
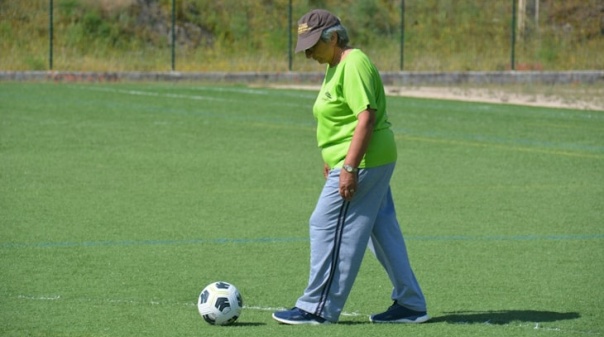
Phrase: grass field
pixel 120 202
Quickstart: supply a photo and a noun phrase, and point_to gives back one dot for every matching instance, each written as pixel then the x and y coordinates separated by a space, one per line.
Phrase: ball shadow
pixel 245 324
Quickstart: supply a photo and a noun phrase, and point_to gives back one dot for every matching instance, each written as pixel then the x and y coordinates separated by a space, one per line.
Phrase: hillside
pixel 252 35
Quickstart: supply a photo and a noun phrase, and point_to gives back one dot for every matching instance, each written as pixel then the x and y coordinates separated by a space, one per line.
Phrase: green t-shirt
pixel 348 89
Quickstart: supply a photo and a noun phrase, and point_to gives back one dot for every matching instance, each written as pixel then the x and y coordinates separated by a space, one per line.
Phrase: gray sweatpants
pixel 340 232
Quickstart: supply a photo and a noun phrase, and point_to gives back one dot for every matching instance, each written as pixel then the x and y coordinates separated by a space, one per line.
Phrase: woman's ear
pixel 334 39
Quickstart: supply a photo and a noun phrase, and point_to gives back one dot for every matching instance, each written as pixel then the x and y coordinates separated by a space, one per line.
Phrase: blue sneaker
pixel 297 316
pixel 399 314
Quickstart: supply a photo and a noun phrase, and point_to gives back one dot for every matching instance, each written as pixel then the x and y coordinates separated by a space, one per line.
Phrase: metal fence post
pixel 173 35
pixel 289 43
pixel 402 35
pixel 513 56
pixel 50 34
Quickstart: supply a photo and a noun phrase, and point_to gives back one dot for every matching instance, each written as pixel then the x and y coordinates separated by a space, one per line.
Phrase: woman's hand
pixel 348 184
pixel 356 152
pixel 326 170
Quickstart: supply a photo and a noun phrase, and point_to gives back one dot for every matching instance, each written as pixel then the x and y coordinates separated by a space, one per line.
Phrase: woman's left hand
pixel 348 184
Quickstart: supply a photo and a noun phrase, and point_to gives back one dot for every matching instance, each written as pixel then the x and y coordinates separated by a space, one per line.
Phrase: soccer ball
pixel 220 303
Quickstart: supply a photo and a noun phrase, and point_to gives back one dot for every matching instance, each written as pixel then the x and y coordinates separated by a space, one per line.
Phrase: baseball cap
pixel 311 25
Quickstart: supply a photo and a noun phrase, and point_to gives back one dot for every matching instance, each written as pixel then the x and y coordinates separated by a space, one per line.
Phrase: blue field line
pixel 218 241
pixel 128 243
pixel 532 143
pixel 560 237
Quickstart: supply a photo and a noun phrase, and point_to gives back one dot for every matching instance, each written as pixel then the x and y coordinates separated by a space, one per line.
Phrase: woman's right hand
pixel 326 170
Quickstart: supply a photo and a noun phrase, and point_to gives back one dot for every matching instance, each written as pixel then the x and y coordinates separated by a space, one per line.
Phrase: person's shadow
pixel 497 317
pixel 503 317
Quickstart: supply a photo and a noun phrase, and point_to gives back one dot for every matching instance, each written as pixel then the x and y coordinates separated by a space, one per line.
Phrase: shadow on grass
pixel 245 324
pixel 503 316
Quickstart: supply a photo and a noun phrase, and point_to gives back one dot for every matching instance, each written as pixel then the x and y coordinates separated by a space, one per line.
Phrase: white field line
pixel 348 314
pixel 40 298
pixel 155 302
pixel 180 96
pixel 154 94
pixel 535 326
pixel 252 91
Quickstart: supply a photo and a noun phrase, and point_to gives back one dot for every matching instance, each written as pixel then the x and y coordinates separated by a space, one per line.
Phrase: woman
pixel 355 207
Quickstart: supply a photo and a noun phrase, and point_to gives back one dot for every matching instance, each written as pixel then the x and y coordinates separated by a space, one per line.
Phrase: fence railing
pixel 413 35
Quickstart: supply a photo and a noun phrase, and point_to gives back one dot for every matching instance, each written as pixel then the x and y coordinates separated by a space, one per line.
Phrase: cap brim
pixel 308 41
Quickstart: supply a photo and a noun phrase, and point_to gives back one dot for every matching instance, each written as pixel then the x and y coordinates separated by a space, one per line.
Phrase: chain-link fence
pixel 258 35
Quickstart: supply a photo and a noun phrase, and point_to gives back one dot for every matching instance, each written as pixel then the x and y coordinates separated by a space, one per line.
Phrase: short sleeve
pixel 359 87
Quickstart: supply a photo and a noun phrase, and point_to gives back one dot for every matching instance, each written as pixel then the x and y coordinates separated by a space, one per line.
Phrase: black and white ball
pixel 220 303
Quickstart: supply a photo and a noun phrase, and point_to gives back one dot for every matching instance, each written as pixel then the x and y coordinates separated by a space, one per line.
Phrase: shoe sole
pixel 309 322
pixel 418 320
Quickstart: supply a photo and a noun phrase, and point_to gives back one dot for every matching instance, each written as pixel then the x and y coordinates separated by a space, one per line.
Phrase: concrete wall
pixel 390 78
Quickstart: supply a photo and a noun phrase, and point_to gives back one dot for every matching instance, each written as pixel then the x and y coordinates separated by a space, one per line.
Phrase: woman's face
pixel 321 52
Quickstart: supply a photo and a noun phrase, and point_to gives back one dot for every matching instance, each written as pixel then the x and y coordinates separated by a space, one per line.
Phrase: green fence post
pixel 50 34
pixel 402 35
pixel 513 56
pixel 289 44
pixel 173 35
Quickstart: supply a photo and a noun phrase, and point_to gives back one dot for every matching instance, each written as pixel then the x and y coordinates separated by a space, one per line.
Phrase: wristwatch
pixel 350 169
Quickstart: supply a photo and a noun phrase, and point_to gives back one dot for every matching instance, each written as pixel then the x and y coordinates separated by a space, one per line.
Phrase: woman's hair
pixel 342 35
